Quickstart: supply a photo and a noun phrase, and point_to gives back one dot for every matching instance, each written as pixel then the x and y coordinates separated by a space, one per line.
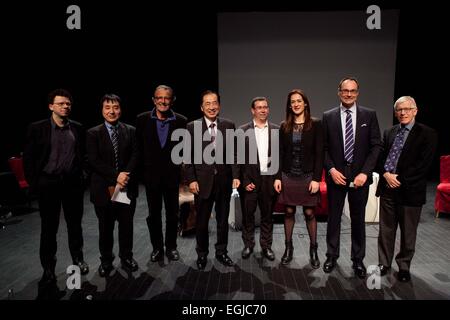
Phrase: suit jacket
pixel 312 145
pixel 37 151
pixel 204 173
pixel 251 173
pixel 155 161
pixel 100 152
pixel 413 164
pixel 367 145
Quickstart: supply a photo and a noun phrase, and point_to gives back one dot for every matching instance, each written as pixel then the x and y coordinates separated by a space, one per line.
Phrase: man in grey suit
pixel 211 181
pixel 352 145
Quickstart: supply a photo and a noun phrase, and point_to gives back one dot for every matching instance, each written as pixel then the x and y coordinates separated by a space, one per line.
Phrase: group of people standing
pixel 346 143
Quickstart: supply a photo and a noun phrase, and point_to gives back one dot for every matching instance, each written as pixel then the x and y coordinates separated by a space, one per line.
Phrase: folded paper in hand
pixel 120 196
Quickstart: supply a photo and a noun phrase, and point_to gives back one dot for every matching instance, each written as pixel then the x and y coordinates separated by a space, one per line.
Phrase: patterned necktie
pixel 115 143
pixel 213 133
pixel 349 141
pixel 394 153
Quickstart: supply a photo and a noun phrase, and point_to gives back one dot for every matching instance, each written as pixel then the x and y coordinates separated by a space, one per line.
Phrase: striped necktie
pixel 115 143
pixel 349 140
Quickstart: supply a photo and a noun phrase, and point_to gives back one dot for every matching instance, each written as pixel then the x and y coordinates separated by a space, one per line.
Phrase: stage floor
pixel 252 279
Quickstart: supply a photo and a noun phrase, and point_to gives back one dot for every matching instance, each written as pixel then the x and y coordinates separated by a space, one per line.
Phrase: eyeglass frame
pixel 406 110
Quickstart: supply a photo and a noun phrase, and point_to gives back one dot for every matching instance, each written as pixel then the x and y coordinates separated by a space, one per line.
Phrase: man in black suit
pixel 210 178
pixel 257 182
pixel 161 175
pixel 113 155
pixel 54 160
pixel 408 151
pixel 352 146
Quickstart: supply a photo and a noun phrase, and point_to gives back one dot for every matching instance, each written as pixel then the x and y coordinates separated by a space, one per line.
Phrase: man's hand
pixel 391 179
pixel 236 183
pixel 338 178
pixel 250 187
pixel 360 179
pixel 122 179
pixel 277 185
pixel 313 187
pixel 193 187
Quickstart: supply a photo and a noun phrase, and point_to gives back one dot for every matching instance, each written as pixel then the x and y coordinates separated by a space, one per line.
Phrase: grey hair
pixel 405 99
pixel 164 87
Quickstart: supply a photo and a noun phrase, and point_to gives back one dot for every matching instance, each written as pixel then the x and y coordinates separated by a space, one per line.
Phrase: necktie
pixel 213 141
pixel 213 133
pixel 349 141
pixel 115 143
pixel 394 153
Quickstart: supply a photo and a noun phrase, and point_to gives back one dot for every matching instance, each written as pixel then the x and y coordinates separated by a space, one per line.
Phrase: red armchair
pixel 16 165
pixel 442 201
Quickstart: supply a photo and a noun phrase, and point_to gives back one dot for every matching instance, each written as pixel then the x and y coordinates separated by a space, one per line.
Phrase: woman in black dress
pixel 301 157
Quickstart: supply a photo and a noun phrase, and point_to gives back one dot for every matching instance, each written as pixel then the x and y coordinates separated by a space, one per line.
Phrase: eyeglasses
pixel 61 104
pixel 346 91
pixel 261 107
pixel 406 110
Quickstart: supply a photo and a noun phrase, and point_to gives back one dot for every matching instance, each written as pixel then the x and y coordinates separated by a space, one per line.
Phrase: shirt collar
pixel 55 126
pixel 352 108
pixel 110 126
pixel 409 125
pixel 266 124
pixel 170 118
pixel 208 122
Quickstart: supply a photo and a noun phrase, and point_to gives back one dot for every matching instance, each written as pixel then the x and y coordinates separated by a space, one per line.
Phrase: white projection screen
pixel 270 53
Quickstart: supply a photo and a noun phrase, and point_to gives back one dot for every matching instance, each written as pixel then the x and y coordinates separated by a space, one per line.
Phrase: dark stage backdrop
pixel 130 47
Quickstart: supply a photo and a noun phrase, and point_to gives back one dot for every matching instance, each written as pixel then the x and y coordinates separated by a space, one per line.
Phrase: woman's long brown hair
pixel 288 124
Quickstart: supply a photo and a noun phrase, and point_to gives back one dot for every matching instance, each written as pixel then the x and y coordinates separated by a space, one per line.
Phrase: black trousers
pixel 392 215
pixel 107 216
pixel 261 197
pixel 357 199
pixel 155 195
pixel 220 196
pixel 56 191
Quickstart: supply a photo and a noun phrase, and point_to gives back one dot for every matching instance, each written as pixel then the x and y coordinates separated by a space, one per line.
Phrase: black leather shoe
pixel 360 269
pixel 173 254
pixel 329 264
pixel 288 253
pixel 403 276
pixel 157 255
pixel 105 269
pixel 313 257
pixel 225 260
pixel 268 253
pixel 383 269
pixel 84 268
pixel 130 264
pixel 247 252
pixel 201 262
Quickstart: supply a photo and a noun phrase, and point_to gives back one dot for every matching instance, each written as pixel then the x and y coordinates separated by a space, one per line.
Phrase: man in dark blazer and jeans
pixel 408 151
pixel 352 146
pixel 161 175
pixel 54 163
pixel 113 156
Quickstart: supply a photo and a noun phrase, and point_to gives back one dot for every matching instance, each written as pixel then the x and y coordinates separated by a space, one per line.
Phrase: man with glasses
pixel 352 145
pixel 54 159
pixel 408 151
pixel 161 176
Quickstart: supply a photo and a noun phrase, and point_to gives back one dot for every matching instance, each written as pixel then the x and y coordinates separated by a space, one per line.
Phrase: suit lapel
pixel 415 131
pixel 338 125
pixel 106 140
